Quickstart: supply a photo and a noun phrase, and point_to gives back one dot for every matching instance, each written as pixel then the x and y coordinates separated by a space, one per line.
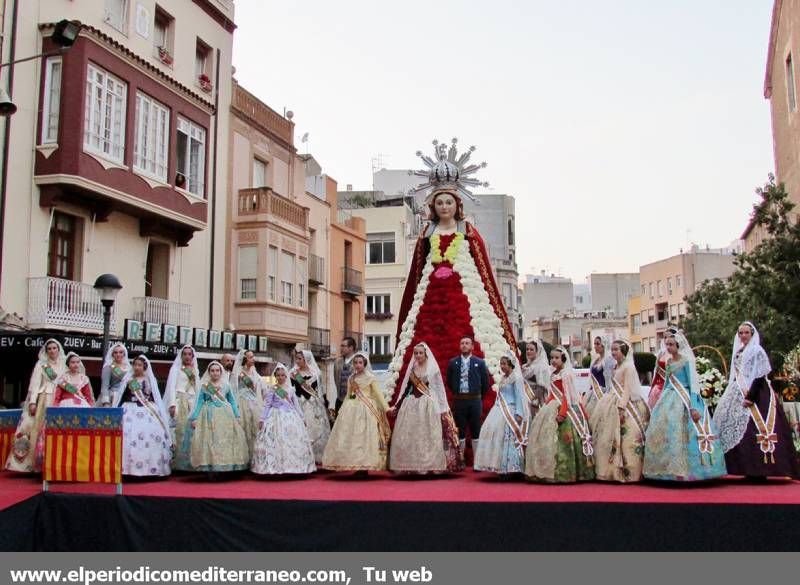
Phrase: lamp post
pixel 107 285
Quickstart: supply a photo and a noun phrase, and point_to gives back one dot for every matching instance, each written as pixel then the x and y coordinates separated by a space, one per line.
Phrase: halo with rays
pixel 448 169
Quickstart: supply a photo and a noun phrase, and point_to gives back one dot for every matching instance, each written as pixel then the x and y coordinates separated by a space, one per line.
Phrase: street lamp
pixel 65 33
pixel 107 285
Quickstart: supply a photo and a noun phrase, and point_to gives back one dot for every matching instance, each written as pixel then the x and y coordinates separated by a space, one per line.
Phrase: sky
pixel 625 130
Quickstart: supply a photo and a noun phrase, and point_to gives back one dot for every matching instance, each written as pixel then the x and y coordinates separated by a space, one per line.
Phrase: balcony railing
pixel 352 281
pixel 320 341
pixel 153 310
pixel 316 270
pixel 65 304
pixel 261 114
pixel 265 200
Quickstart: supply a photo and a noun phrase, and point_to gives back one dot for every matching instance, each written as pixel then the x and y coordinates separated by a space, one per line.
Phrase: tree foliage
pixel 764 289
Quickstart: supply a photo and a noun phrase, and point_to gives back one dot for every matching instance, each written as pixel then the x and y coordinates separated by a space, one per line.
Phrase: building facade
pixel 117 166
pixel 543 295
pixel 635 322
pixel 780 88
pixel 665 284
pixel 392 231
pixel 611 291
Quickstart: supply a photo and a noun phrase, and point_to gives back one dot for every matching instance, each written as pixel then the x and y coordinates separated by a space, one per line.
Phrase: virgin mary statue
pixel 451 291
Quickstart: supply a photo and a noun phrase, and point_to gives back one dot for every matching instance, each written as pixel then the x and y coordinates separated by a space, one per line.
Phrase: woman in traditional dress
pixel 681 443
pixel 73 387
pixel 536 372
pixel 451 291
pixel 307 381
pixel 753 428
pixel 619 422
pixel 146 436
pixel 180 396
pixel 115 366
pixel 560 443
pixel 27 450
pixel 600 373
pixel 501 448
pixel 216 441
pixel 282 444
pixel 360 437
pixel 425 437
pixel 660 371
pixel 250 393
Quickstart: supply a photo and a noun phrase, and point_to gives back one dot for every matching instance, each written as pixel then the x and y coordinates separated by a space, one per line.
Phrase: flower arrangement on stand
pixel 164 55
pixel 712 382
pixel 790 376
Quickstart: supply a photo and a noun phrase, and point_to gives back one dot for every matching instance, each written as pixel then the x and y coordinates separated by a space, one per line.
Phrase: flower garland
pixel 450 252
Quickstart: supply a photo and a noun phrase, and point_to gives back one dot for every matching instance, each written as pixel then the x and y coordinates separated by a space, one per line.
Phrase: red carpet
pixel 467 487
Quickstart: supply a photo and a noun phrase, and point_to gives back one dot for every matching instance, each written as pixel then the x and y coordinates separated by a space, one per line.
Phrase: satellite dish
pixel 304 138
pixel 290 114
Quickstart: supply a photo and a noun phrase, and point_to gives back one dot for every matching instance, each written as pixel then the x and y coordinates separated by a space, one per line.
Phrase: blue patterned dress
pixel 497 449
pixel 672 450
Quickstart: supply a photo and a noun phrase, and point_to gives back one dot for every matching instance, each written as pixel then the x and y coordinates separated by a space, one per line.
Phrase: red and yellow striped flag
pixel 83 444
pixel 9 419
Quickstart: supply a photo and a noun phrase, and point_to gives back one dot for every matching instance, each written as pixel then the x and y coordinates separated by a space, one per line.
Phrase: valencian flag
pixel 9 419
pixel 83 444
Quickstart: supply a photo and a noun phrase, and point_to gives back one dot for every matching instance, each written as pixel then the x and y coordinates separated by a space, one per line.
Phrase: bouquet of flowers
pixel 712 382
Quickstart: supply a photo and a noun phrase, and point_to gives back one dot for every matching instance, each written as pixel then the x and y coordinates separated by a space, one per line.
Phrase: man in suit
pixel 342 368
pixel 468 379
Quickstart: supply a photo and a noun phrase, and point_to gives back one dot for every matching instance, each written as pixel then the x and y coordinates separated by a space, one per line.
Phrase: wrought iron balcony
pixel 316 270
pixel 154 310
pixel 352 281
pixel 319 340
pixel 65 304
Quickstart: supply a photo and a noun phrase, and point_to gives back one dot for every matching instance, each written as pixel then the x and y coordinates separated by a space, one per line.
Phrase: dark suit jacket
pixel 478 375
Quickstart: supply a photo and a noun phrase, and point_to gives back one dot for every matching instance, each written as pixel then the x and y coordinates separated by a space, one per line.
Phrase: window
pixel 248 272
pixel 644 290
pixel 272 270
pixel 116 14
pixel 163 35
pixel 151 147
pixel 379 304
pixel 790 89
pixel 661 312
pixel 202 56
pixel 652 291
pixel 508 296
pixel 63 246
pixel 287 277
pixel 682 309
pixel 302 280
pixel 660 288
pixel 636 323
pixel 669 285
pixel 637 346
pixel 380 248
pixel 259 173
pixel 644 316
pixel 673 312
pixel 104 131
pixel 52 100
pixel 379 344
pixel 678 281
pixel 651 316
pixel 510 231
pixel 192 155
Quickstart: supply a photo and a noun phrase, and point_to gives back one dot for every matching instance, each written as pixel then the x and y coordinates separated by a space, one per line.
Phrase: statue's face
pixel 445 206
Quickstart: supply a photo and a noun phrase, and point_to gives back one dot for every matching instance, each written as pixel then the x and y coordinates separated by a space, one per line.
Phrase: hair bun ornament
pixel 448 170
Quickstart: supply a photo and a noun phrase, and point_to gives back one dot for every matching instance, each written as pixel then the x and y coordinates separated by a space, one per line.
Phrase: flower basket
pixel 205 83
pixel 712 382
pixel 164 55
pixel 378 316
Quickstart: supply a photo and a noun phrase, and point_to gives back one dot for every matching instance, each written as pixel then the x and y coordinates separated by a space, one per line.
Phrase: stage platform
pixel 469 511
